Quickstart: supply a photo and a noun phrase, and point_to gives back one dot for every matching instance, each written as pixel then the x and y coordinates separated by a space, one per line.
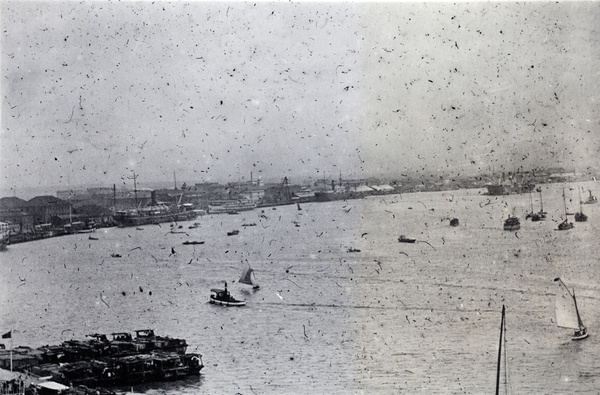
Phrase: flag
pixel 7 335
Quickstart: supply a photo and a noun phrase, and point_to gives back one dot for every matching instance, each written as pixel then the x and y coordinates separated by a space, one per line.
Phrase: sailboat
pixel 248 277
pixel 567 313
pixel 591 199
pixel 532 215
pixel 502 350
pixel 565 225
pixel 540 216
pixel 541 213
pixel 580 216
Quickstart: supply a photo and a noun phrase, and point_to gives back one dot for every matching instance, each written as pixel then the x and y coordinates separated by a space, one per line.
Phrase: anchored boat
pixel 404 239
pixel 580 216
pixel 512 223
pixel 565 225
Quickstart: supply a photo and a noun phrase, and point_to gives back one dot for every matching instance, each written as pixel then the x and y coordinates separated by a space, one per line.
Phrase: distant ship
pixel 508 189
pixel 514 184
pixel 230 206
pixel 156 213
pixel 152 215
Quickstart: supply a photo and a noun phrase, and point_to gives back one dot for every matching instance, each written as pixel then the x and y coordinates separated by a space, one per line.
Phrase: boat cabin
pixel 144 333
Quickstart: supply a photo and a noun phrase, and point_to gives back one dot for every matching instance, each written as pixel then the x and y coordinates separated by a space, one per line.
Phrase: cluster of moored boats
pixel 100 362
pixel 512 223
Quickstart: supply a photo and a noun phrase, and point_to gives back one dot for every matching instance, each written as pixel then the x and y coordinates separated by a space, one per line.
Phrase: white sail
pixel 247 277
pixel 566 311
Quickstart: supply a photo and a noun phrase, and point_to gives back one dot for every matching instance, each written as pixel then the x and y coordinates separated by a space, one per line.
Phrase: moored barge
pixel 98 362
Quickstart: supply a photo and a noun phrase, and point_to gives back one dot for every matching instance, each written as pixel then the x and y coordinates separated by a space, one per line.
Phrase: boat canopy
pixel 53 385
pixel 144 333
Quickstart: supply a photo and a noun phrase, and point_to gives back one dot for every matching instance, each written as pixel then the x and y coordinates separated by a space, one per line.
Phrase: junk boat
pixel 223 297
pixel 512 223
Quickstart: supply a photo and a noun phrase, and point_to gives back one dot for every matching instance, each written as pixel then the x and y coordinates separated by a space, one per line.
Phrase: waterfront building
pixel 43 208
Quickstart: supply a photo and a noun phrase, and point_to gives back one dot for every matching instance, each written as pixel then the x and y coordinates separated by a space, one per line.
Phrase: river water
pixel 393 318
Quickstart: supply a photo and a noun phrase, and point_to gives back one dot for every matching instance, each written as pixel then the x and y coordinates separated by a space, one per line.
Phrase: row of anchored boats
pixel 512 223
pixel 100 362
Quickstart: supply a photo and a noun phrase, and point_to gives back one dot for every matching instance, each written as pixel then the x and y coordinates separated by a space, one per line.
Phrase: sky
pixel 95 91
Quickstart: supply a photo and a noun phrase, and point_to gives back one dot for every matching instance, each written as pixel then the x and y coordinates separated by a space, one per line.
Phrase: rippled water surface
pixel 392 318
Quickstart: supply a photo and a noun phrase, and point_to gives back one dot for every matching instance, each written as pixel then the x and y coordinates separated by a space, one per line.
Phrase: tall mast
pixel 531 200
pixel 134 187
pixel 500 353
pixel 541 203
pixel 577 310
pixel 565 203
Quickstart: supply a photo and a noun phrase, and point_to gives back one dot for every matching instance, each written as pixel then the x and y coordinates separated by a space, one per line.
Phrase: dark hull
pixel 138 220
pixel 512 224
pixel 102 363
pixel 133 370
pixel 498 190
pixel 565 225
pixel 332 196
pixel 231 302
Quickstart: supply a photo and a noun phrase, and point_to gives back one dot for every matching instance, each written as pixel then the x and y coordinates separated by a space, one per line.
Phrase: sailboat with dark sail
pixel 580 216
pixel 248 278
pixel 565 225
pixel 567 313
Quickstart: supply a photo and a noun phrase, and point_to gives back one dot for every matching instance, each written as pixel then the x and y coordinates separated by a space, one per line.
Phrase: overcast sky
pixel 213 91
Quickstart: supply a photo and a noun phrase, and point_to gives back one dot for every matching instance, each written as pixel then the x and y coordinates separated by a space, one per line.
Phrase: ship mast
pixel 565 203
pixel 500 353
pixel 577 311
pixel 134 187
